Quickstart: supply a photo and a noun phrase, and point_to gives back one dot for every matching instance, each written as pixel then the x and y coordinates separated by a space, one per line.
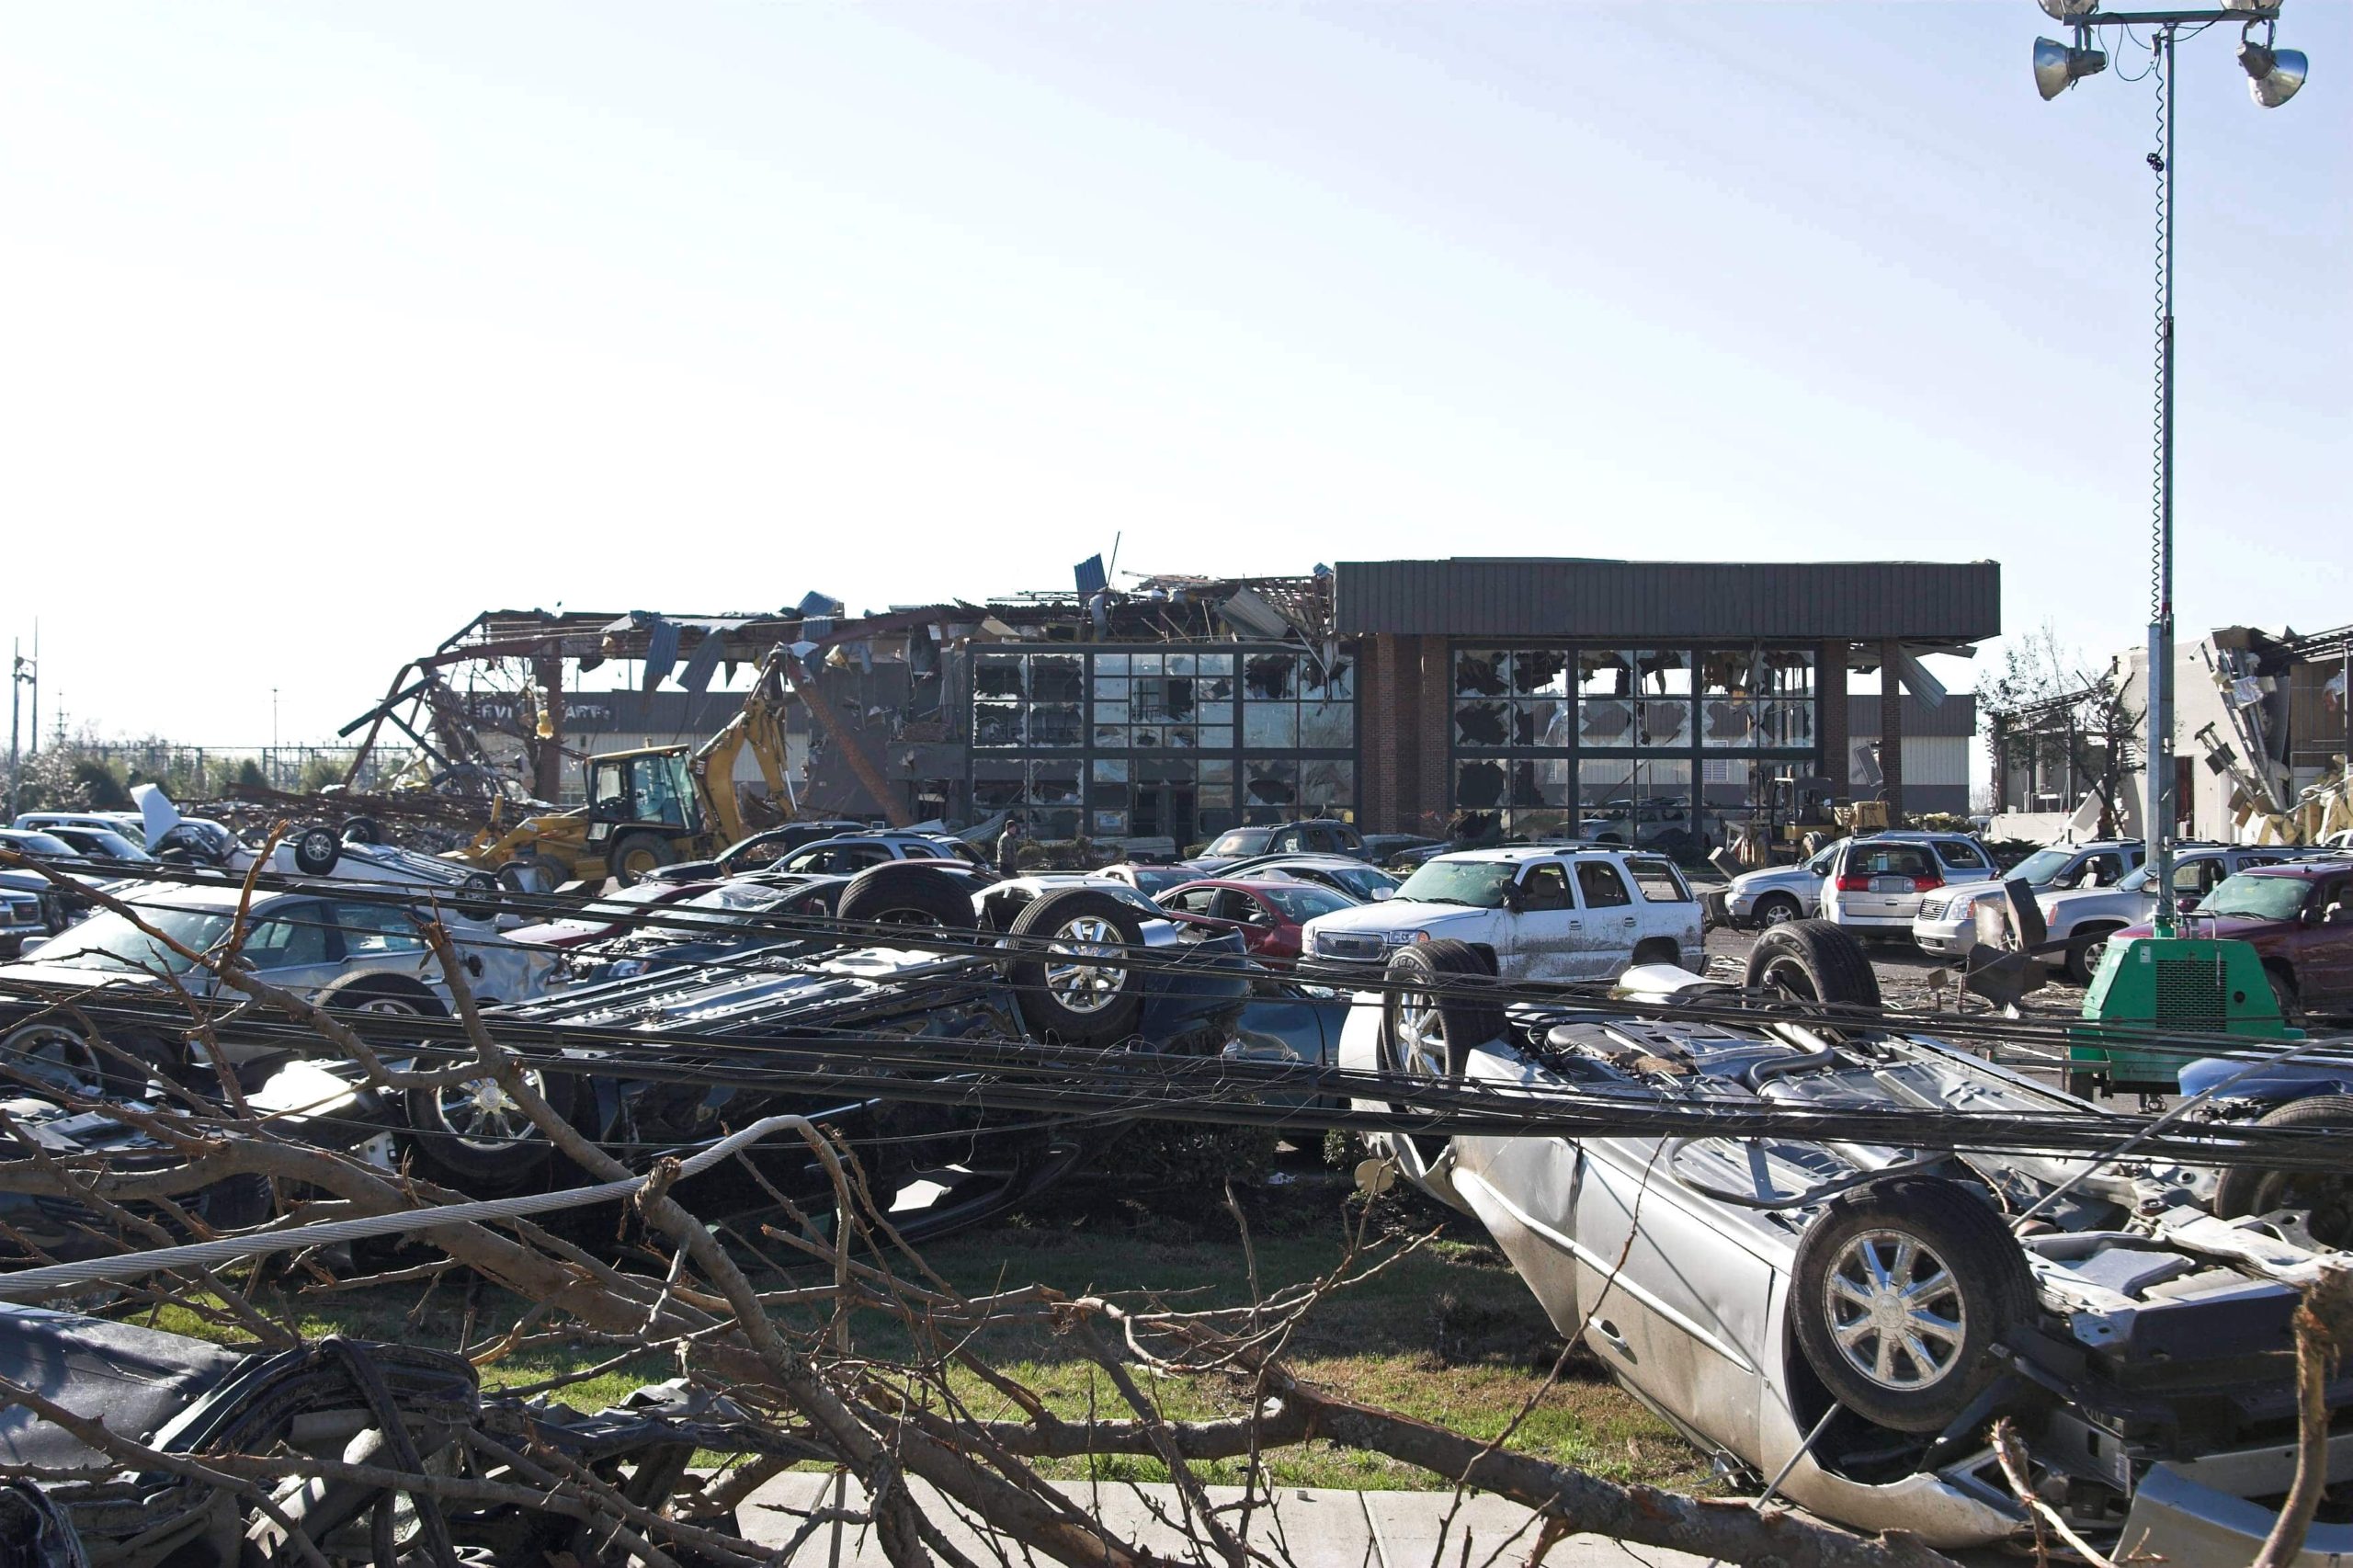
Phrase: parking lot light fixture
pixel 2273 74
pixel 2057 67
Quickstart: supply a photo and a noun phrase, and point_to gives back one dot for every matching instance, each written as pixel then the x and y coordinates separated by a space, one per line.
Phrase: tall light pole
pixel 2273 76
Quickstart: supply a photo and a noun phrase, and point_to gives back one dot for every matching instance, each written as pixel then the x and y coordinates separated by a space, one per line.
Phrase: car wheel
pixel 378 991
pixel 906 892
pixel 474 1136
pixel 316 849
pixel 2283 992
pixel 361 830
pixel 2327 1196
pixel 1777 909
pixel 1426 1035
pixel 53 1055
pixel 634 854
pixel 1898 1291
pixel 1065 991
pixel 2085 951
pixel 477 896
pixel 1812 961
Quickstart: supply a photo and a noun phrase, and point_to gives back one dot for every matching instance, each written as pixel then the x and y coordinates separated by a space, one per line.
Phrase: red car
pixel 1267 914
pixel 2299 916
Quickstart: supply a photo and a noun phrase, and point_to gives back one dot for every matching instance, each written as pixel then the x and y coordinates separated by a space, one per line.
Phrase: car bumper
pixel 2185 1523
pixel 1946 938
pixel 1875 923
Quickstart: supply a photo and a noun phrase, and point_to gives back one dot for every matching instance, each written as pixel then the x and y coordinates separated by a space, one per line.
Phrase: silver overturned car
pixel 1851 1317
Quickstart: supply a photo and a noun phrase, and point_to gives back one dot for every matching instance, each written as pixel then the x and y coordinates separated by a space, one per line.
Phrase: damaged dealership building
pixel 1656 702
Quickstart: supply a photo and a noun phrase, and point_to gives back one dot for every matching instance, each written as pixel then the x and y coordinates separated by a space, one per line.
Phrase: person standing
pixel 1009 847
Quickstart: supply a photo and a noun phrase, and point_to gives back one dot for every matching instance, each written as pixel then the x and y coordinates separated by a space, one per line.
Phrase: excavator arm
pixel 760 727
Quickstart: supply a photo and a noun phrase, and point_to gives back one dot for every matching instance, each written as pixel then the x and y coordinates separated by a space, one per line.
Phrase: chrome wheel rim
pixel 51 1055
pixel 1788 977
pixel 1074 981
pixel 1778 912
pixel 481 1113
pixel 1896 1311
pixel 1418 1035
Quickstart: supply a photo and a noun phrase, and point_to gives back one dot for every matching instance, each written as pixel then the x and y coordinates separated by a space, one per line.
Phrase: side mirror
pixel 1381 896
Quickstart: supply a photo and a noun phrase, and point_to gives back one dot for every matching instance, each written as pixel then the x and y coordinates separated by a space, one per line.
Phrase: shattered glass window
pixel 1483 725
pixel 998 676
pixel 997 724
pixel 1056 678
pixel 1267 677
pixel 1481 672
pixel 1327 725
pixel 1054 725
pixel 1327 786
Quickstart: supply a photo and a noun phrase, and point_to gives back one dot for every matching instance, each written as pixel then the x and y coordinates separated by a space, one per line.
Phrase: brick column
pixel 1891 733
pixel 1435 709
pixel 1830 721
pixel 1383 716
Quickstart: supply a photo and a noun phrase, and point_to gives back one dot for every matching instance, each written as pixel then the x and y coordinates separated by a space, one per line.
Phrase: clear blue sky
pixel 327 329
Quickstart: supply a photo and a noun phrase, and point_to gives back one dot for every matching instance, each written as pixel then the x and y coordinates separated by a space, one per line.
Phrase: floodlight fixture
pixel 2057 66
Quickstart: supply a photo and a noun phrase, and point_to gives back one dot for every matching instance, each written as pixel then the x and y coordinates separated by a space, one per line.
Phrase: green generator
pixel 2196 984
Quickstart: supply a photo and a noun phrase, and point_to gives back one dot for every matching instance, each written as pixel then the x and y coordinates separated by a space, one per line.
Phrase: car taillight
pixel 1852 883
pixel 1927 885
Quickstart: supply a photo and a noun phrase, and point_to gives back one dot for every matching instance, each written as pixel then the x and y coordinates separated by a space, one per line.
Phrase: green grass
pixel 1449 1333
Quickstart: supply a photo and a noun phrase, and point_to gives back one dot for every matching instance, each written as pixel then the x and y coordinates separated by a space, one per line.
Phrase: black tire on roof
pixel 1061 995
pixel 361 830
pixel 907 892
pixel 316 849
pixel 1812 961
pixel 2327 1195
pixel 1898 1291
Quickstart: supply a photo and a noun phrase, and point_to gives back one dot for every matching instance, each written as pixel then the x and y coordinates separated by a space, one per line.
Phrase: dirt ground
pixel 1906 977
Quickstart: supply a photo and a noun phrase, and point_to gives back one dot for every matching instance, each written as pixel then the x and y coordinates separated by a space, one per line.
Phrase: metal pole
pixel 16 690
pixel 2158 825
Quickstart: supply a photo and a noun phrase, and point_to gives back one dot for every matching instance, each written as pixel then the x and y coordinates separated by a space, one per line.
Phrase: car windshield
pixel 2041 866
pixel 1242 841
pixel 1305 901
pixel 1153 880
pixel 27 842
pixel 108 940
pixel 1477 883
pixel 2136 880
pixel 113 845
pixel 2264 898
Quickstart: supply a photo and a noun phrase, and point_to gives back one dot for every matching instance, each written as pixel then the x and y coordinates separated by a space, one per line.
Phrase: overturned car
pixel 1848 1318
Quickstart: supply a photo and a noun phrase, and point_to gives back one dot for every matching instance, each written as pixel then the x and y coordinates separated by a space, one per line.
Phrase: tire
pixel 1430 1033
pixel 1777 909
pixel 1062 997
pixel 907 892
pixel 471 1136
pixel 52 1054
pixel 634 854
pixel 1941 1265
pixel 1812 961
pixel 316 849
pixel 2084 950
pixel 477 897
pixel 361 830
pixel 2328 1195
pixel 2283 992
pixel 380 991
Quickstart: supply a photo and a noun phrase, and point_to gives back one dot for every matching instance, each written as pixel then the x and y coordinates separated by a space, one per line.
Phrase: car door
pixel 2324 957
pixel 295 947
pixel 1605 905
pixel 1664 904
pixel 377 936
pixel 1546 933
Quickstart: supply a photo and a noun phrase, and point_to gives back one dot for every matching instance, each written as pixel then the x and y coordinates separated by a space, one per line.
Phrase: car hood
pixel 32 972
pixel 2074 902
pixel 1769 878
pixel 2219 927
pixel 1399 915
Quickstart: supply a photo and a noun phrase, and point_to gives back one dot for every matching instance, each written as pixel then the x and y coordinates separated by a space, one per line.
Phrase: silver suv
pixel 1945 925
pixel 1545 913
pixel 1776 893
pixel 1875 884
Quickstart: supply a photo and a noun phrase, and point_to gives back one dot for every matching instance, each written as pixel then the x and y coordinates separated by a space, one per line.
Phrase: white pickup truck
pixel 1546 913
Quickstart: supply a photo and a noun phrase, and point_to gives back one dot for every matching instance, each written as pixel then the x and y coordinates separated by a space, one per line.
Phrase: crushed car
pixel 327 1401
pixel 1848 1318
pixel 349 853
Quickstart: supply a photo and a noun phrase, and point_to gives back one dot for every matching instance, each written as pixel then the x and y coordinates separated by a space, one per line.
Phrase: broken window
pixel 1270 677
pixel 1054 725
pixel 1481 724
pixel 1327 788
pixel 1333 683
pixel 1481 672
pixel 997 724
pixel 1054 783
pixel 1328 725
pixel 998 676
pixel 1478 784
pixel 1056 678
